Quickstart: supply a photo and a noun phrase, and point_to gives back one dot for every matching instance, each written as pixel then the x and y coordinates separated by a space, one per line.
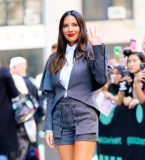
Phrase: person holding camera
pixel 139 85
pixel 116 76
pixel 127 94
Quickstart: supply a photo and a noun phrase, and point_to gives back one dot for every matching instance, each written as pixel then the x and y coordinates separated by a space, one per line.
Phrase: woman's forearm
pixel 121 95
pixel 139 92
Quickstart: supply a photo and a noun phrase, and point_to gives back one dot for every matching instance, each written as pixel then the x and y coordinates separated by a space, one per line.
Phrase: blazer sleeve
pixel 99 67
pixel 48 118
pixel 46 86
pixel 46 81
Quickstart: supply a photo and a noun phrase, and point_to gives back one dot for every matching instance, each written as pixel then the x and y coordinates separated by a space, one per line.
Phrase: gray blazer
pixel 86 77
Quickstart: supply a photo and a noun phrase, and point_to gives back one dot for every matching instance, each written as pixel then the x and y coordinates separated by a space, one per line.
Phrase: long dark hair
pixel 58 59
pixel 139 54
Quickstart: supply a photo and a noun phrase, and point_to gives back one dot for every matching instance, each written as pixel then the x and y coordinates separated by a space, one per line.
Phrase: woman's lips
pixel 71 35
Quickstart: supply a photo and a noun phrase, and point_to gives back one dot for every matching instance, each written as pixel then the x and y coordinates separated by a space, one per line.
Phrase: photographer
pixel 127 94
pixel 116 76
pixel 139 86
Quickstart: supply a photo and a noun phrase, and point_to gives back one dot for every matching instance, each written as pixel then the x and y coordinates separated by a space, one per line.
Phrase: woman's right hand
pixel 127 78
pixel 50 139
pixel 140 77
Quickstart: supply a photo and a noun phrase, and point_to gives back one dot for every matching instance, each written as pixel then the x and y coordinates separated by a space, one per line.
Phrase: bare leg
pixel 66 151
pixel 83 150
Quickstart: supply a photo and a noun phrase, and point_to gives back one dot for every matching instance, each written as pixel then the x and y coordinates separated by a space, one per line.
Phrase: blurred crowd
pixel 22 110
pixel 18 136
pixel 127 81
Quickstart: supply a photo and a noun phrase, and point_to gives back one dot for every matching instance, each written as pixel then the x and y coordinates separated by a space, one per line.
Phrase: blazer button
pixel 77 124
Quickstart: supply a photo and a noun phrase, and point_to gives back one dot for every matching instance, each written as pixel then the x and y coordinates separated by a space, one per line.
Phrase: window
pixel 15 12
pixel 2 12
pixel 18 12
pixel 98 9
pixel 32 12
pixel 128 4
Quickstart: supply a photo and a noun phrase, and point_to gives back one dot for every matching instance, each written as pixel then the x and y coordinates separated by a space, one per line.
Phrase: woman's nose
pixel 70 28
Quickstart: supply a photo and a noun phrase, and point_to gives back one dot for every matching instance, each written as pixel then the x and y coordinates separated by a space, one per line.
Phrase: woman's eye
pixel 64 26
pixel 74 24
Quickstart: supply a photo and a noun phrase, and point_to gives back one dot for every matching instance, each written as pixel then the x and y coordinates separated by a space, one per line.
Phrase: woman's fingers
pixel 91 32
pixel 52 142
pixel 142 79
pixel 50 139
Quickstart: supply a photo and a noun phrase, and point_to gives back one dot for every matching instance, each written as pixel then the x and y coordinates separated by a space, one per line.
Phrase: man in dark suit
pixel 8 138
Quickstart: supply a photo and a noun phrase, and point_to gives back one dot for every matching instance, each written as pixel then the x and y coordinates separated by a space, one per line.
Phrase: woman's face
pixel 134 63
pixel 71 29
pixel 117 76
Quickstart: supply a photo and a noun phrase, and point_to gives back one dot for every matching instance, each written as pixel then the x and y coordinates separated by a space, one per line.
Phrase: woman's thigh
pixel 83 150
pixel 66 151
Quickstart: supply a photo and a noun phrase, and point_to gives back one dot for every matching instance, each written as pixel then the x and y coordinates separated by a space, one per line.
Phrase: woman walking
pixel 78 68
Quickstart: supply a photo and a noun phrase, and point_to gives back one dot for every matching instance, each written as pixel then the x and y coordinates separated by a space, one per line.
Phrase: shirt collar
pixel 68 47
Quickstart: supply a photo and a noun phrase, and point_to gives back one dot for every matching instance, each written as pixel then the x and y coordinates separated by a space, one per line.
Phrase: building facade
pixel 28 28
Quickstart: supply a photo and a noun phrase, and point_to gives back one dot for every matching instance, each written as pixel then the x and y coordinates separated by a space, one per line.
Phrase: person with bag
pixel 8 138
pixel 78 68
pixel 26 128
pixel 18 66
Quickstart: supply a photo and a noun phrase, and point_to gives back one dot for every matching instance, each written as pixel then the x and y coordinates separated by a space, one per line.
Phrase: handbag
pixel 24 107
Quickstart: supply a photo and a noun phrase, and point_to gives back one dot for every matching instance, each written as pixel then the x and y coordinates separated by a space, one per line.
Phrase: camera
pixel 126 52
pixel 125 73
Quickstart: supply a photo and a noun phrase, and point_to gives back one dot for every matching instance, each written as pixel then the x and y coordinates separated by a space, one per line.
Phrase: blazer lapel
pixel 76 70
pixel 56 79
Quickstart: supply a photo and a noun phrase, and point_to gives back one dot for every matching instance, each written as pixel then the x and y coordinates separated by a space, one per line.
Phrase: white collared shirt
pixel 67 68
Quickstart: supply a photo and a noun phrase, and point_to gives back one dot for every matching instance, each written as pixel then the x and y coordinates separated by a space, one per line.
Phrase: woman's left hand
pixel 95 36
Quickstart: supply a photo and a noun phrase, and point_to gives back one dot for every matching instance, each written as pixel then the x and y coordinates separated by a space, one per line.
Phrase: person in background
pixel 8 138
pixel 54 48
pixel 139 86
pixel 127 94
pixel 116 76
pixel 18 66
pixel 25 85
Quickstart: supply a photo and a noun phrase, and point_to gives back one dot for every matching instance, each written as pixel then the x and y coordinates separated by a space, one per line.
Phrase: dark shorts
pixel 66 122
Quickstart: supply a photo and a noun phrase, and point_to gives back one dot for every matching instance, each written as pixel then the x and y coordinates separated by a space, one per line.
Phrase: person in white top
pixel 78 68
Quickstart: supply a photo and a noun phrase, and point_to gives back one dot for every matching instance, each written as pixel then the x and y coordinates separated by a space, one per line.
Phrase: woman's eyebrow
pixel 71 23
